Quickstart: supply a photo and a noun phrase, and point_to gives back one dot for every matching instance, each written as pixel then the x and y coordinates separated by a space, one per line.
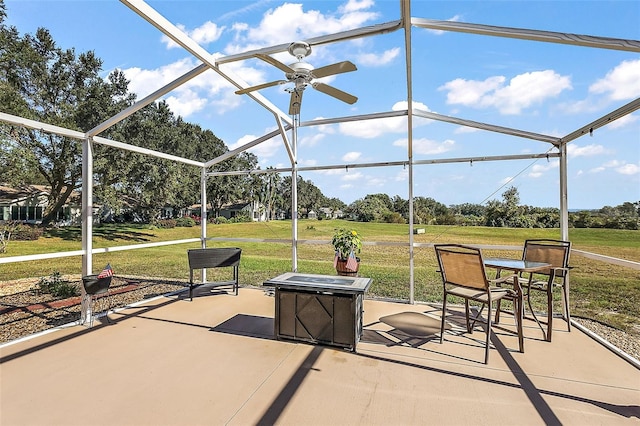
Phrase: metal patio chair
pixel 555 252
pixel 463 275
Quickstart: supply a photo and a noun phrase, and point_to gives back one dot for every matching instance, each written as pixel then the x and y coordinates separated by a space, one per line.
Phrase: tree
pixel 401 206
pixel 508 212
pixel 428 210
pixel 369 209
pixel 226 189
pixel 269 194
pixel 43 82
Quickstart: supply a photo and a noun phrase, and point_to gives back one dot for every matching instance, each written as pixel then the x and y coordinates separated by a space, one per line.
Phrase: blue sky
pixel 552 89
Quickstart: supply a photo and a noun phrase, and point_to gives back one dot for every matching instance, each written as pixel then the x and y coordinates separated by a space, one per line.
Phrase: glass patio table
pixel 516 266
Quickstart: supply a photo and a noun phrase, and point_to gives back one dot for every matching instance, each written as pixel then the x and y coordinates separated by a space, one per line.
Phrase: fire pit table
pixel 322 309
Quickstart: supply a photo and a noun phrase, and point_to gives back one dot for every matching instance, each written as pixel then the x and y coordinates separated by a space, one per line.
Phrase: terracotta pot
pixel 341 268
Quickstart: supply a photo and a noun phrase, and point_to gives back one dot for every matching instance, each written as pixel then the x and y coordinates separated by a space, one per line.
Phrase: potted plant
pixel 347 245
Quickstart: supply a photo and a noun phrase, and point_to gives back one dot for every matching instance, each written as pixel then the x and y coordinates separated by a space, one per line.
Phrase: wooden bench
pixel 213 258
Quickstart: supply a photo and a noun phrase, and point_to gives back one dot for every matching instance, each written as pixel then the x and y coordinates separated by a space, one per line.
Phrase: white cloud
pixel 628 169
pixel 351 176
pixel 291 22
pixel 351 156
pixel 263 150
pixel 426 146
pixel 356 5
pixel 312 140
pixel 623 121
pixel 621 167
pixel 522 91
pixel 465 129
pixel 574 150
pixel 621 83
pixel 375 182
pixel 186 103
pixel 204 34
pixel 369 129
pixel 378 59
pixel 538 170
pixel 206 90
pixel 402 175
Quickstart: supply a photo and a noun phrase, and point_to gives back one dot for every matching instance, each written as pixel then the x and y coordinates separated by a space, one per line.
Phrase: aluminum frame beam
pixel 529 34
pixel 402 163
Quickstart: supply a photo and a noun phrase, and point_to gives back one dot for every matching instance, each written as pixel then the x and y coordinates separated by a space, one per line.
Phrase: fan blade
pixel 336 93
pixel 275 63
pixel 296 102
pixel 338 68
pixel 260 86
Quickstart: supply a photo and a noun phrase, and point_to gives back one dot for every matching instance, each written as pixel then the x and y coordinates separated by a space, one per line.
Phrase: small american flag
pixel 106 272
pixel 352 263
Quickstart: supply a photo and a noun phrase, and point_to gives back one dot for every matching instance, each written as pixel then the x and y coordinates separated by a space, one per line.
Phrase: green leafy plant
pixel 185 222
pixel 345 241
pixel 57 286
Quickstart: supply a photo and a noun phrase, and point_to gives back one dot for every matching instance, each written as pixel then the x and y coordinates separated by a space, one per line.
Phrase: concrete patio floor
pixel 215 361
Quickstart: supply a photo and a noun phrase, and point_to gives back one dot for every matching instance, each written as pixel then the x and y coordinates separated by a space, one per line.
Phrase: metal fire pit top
pixel 313 282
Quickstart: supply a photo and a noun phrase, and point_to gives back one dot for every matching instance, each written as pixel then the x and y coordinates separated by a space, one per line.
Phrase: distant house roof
pixel 240 205
pixel 10 194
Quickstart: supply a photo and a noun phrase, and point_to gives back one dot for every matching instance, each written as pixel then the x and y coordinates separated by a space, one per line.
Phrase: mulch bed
pixel 25 311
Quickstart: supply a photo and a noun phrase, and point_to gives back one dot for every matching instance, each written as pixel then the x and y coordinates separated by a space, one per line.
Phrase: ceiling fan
pixel 302 75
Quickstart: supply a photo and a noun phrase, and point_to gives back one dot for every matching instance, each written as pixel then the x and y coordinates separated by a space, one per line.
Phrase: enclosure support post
pixel 294 195
pixel 406 17
pixel 87 206
pixel 564 204
pixel 203 214
pixel 87 222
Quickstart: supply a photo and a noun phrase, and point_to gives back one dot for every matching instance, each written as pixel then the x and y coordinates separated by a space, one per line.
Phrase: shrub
pixel 26 233
pixel 185 222
pixel 240 218
pixel 57 286
pixel 394 217
pixel 220 219
pixel 166 223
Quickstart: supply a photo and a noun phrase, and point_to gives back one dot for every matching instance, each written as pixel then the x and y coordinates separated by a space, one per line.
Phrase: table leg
pixel 519 314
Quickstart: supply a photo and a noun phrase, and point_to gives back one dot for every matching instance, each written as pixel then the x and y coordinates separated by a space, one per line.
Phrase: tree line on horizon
pixel 44 82
pixel 507 212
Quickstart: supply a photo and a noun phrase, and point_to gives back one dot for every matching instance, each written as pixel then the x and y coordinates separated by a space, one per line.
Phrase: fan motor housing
pixel 302 69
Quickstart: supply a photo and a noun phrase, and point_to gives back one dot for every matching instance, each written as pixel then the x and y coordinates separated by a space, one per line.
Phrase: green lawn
pixel 600 291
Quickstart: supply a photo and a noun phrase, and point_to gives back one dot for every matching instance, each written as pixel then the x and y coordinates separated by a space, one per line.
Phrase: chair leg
pixel 518 315
pixel 444 309
pixel 466 315
pixel 567 315
pixel 549 311
pixel 488 339
pixel 497 320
